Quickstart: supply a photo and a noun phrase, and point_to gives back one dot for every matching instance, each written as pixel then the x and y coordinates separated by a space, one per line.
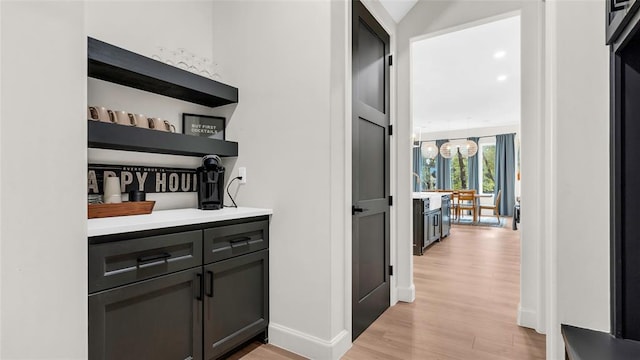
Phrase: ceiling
pixel 467 79
pixel 398 8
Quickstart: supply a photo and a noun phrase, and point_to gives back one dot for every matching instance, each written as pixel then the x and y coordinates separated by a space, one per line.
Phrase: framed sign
pixel 211 127
pixel 150 179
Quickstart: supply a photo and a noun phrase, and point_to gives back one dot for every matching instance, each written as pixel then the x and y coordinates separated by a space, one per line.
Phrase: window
pixel 487 168
pixel 459 172
pixel 428 174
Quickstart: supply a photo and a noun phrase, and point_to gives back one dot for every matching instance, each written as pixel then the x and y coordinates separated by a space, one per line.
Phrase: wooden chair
pixel 467 201
pixel 495 207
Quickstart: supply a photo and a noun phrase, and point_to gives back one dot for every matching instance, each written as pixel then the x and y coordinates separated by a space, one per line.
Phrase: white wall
pixel 428 17
pixel 579 111
pixel 279 56
pixel 290 60
pixel 142 26
pixel 43 157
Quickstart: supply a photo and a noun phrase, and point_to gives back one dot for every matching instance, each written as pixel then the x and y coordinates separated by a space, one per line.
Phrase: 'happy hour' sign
pixel 144 178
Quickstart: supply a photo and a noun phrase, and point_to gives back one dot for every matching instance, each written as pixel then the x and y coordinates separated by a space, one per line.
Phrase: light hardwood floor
pixel 467 293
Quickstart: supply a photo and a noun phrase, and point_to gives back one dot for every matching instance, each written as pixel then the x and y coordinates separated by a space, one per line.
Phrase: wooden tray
pixel 121 209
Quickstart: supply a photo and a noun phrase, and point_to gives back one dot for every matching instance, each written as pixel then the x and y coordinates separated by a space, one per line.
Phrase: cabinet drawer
pixel 122 262
pixel 224 242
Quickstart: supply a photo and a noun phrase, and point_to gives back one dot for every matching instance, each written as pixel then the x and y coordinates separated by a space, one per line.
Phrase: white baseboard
pixel 527 317
pixel 407 294
pixel 309 346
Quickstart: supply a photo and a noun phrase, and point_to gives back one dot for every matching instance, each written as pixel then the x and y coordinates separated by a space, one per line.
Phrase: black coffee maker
pixel 210 183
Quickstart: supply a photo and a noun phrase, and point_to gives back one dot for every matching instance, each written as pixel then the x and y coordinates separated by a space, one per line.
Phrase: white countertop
pixel 435 198
pixel 167 218
pixel 428 194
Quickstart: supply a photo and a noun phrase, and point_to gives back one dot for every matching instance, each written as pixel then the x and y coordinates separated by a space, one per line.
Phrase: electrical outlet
pixel 242 172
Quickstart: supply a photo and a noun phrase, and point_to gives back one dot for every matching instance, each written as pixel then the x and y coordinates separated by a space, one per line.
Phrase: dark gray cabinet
pixel 445 227
pixel 236 305
pixel 122 262
pixel 433 226
pixel 194 292
pixel 426 225
pixel 153 319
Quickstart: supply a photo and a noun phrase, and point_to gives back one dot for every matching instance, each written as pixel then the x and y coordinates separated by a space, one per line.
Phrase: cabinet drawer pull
pixel 210 291
pixel 240 241
pixel 200 286
pixel 150 258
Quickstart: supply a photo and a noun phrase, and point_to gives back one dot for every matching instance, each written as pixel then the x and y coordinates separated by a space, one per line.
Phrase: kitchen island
pixel 431 219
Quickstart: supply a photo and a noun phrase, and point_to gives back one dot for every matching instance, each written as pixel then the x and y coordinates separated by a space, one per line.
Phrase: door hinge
pixel 390 200
pixel 390 270
pixel 390 130
pixel 390 60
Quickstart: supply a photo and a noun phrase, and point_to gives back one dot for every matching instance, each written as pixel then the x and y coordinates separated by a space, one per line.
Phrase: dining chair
pixel 467 201
pixel 495 207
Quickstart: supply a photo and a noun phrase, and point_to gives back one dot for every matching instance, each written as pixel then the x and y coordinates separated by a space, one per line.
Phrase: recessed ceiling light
pixel 501 78
pixel 499 54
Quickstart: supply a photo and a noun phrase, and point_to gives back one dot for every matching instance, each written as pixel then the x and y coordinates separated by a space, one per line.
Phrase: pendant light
pixel 468 148
pixel 445 150
pixel 429 150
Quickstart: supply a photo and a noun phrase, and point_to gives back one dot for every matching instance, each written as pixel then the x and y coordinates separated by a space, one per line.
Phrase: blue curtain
pixel 417 165
pixel 443 169
pixel 472 168
pixel 505 173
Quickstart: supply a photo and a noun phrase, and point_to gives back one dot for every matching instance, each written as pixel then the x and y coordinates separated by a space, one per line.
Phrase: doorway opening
pixel 466 114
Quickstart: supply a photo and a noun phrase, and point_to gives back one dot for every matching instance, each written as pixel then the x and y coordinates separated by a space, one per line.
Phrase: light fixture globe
pixel 468 149
pixel 429 150
pixel 446 150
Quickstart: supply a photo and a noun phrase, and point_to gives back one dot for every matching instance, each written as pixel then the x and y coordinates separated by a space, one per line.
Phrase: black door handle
pixel 210 291
pixel 355 209
pixel 200 287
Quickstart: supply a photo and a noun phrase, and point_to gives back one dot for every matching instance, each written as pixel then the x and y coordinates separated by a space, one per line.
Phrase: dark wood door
pixel 370 177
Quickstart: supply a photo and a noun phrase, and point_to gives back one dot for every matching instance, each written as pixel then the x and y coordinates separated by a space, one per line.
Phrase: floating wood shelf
pixel 120 66
pixel 120 137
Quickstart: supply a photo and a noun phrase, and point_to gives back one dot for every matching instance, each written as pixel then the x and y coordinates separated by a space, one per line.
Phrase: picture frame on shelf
pixel 212 127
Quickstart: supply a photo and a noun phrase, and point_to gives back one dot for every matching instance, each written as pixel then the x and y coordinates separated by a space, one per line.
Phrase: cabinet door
pixel 434 226
pixel 418 229
pixel 446 217
pixel 236 302
pixel 155 319
pixel 437 225
pixel 428 224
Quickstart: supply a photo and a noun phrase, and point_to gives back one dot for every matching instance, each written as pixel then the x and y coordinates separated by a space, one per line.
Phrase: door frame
pixel 537 190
